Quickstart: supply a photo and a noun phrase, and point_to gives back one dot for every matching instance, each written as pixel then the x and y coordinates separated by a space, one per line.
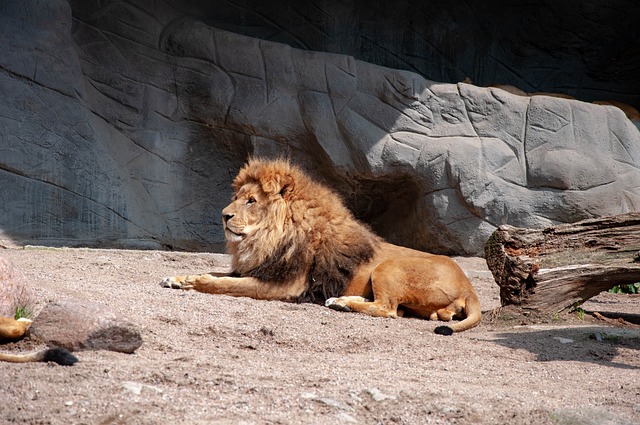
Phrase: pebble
pixel 378 395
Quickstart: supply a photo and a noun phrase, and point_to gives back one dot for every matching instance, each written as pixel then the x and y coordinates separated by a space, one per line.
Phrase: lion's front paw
pixel 338 304
pixel 175 282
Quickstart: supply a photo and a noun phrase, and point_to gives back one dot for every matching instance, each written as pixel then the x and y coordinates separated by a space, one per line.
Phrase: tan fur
pixel 36 356
pixel 13 329
pixel 293 239
pixel 509 88
pixel 559 95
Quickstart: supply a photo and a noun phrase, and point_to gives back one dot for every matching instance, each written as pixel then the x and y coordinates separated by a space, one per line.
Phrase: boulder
pixel 83 325
pixel 15 295
pixel 123 125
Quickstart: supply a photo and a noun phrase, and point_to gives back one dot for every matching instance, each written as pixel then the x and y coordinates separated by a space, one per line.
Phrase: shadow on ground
pixel 592 344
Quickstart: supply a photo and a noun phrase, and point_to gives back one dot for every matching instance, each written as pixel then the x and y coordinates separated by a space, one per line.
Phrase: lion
pixel 292 239
pixel 12 329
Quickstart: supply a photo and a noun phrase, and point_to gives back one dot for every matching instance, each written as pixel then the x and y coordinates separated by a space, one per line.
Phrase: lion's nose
pixel 227 217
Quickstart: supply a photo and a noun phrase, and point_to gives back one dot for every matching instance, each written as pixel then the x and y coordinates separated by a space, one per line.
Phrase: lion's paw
pixel 336 304
pixel 342 303
pixel 175 283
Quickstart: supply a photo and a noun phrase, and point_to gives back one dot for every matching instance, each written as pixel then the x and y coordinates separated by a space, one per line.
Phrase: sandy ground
pixel 219 360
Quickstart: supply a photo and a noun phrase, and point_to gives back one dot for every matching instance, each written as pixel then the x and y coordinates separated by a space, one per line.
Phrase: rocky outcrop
pixel 81 325
pixel 124 125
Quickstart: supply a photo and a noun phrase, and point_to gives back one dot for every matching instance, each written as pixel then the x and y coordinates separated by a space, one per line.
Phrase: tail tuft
pixel 60 356
pixel 443 330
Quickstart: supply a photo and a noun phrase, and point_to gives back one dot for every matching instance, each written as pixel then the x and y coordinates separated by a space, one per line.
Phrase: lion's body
pixel 293 239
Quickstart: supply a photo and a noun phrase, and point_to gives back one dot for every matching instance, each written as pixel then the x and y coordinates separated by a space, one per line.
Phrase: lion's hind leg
pixel 387 296
pixel 453 310
pixel 376 308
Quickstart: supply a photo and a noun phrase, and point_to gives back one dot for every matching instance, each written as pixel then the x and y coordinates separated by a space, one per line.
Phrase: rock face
pixel 124 125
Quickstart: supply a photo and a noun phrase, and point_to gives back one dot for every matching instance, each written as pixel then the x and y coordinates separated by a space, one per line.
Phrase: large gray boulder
pixel 125 127
pixel 76 324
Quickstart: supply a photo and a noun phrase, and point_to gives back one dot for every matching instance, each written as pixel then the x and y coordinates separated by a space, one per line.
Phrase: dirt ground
pixel 210 359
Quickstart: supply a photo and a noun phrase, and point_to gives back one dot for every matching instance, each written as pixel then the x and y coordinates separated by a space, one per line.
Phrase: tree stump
pixel 562 266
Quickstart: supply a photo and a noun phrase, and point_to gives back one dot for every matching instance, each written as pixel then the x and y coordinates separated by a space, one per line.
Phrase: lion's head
pixel 259 202
pixel 281 224
pixel 254 221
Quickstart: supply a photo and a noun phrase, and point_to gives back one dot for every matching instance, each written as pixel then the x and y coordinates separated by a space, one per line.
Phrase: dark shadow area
pixel 590 344
pixel 588 51
pixel 617 309
pixel 388 205
pixel 626 317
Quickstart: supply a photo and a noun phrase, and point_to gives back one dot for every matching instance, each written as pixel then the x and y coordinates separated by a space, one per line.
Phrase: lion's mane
pixel 308 231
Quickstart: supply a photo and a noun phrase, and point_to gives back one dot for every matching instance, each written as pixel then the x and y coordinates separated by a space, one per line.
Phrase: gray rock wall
pixel 102 139
pixel 124 125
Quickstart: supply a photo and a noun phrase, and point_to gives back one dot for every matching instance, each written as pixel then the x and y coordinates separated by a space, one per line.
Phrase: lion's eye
pixel 251 200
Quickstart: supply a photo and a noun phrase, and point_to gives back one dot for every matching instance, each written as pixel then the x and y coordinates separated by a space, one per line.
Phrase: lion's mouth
pixel 232 236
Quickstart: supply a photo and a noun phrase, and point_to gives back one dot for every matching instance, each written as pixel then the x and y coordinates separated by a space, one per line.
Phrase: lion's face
pixel 255 222
pixel 245 214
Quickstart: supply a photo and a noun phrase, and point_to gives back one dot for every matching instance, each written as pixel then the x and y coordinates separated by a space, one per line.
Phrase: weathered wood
pixel 559 267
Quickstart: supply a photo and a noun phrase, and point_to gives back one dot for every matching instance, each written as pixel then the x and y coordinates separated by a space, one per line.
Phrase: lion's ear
pixel 279 185
pixel 287 187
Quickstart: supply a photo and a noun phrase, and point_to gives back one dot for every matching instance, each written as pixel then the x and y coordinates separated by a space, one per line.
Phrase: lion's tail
pixel 57 355
pixel 473 312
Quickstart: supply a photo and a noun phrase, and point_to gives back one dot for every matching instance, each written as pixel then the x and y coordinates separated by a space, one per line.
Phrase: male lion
pixel 293 239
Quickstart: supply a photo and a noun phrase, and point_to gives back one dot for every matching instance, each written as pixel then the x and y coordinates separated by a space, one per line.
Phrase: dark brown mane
pixel 277 268
pixel 334 265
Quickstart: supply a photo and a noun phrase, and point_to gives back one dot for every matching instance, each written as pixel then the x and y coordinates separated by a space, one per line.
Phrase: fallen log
pixel 562 266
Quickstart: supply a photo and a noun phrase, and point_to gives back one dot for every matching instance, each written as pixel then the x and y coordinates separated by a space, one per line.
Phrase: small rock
pixel 563 340
pixel 346 418
pixel 326 401
pixel 449 410
pixel 136 387
pixel 332 403
pixel 82 325
pixel 378 395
